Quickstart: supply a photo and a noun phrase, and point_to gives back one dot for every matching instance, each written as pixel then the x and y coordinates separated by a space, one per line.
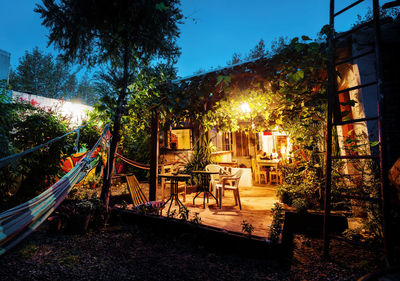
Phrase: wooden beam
pixel 154 155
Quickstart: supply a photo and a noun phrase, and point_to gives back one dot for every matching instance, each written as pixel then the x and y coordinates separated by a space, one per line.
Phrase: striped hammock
pixel 20 221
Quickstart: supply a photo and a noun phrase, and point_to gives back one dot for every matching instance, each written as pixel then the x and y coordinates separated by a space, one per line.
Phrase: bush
pixel 88 135
pixel 277 220
pixel 39 169
pixel 77 215
pixel 23 126
pixel 302 196
pixel 302 186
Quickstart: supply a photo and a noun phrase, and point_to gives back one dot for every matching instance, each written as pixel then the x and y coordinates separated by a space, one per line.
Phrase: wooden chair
pixel 230 183
pixel 257 172
pixel 275 176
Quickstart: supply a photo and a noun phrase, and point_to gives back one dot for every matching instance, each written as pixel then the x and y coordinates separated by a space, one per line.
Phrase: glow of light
pixel 245 107
pixel 75 112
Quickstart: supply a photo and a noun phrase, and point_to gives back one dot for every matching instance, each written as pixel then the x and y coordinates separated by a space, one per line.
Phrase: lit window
pixel 180 139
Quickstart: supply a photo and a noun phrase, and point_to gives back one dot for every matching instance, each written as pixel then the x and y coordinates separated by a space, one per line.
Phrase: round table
pixel 175 178
pixel 204 185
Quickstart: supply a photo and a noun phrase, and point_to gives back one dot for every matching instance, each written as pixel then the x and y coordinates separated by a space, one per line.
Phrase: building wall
pixel 391 90
pixel 362 41
pixel 75 112
pixel 4 65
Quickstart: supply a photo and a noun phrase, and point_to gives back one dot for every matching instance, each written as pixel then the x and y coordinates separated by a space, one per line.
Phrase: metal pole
pixel 331 93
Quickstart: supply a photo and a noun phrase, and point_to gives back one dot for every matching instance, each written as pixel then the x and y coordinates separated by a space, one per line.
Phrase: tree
pixel 123 34
pixel 41 74
pixel 86 90
pixel 257 52
pixel 236 58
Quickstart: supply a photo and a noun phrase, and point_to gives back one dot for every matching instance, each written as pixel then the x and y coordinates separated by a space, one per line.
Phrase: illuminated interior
pixel 180 139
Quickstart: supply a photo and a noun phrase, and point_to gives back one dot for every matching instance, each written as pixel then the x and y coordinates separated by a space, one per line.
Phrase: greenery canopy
pixel 102 30
pixel 286 88
pixel 122 33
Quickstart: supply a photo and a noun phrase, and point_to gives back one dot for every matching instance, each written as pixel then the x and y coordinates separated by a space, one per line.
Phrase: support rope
pixel 8 159
pixel 76 147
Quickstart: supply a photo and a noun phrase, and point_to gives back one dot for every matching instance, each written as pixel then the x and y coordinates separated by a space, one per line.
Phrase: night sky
pixel 213 30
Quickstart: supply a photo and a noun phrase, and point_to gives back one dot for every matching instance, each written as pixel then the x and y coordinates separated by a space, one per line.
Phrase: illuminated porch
pixel 257 202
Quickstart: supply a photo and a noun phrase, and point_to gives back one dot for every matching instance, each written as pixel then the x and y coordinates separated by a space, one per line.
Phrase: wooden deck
pixel 257 202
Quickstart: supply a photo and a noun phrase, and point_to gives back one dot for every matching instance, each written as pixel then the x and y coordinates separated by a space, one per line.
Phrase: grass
pixel 28 251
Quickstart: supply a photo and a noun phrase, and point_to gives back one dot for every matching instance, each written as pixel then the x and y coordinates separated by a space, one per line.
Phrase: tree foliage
pixel 108 31
pixel 258 51
pixel 123 34
pixel 42 74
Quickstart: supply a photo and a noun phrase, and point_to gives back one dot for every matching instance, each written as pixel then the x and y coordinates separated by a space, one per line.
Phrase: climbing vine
pixel 285 91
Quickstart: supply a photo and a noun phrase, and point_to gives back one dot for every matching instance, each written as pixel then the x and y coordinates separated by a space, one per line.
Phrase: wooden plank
pixel 137 195
pixel 154 155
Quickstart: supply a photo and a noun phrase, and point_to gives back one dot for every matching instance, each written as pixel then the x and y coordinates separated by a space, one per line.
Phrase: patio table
pixel 268 163
pixel 175 178
pixel 204 185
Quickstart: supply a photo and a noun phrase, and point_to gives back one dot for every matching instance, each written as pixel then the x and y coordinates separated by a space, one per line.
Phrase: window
pixel 180 139
pixel 226 141
pixel 221 140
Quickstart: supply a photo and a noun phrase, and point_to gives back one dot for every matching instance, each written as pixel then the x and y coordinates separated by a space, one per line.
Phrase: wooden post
pixel 328 169
pixel 154 155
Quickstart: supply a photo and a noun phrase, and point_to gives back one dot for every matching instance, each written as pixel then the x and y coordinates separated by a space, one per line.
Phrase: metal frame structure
pixel 332 91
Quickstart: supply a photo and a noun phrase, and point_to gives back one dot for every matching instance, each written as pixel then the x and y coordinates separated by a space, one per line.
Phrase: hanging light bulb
pixel 245 107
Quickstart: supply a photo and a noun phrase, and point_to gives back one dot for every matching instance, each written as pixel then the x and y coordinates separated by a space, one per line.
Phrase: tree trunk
pixel 116 132
pixel 106 189
pixel 116 137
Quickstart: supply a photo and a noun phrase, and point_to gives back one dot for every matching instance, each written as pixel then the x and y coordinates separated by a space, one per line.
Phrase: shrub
pixel 40 168
pixel 23 126
pixel 277 220
pixel 247 228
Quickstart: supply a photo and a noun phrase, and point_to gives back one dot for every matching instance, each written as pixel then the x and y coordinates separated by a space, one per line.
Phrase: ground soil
pixel 131 252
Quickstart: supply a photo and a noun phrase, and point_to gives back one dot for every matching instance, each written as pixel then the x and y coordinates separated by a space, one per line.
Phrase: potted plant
pixel 93 181
pixel 75 216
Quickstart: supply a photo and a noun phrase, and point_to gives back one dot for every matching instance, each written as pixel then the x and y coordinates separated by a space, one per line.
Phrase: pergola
pixel 202 92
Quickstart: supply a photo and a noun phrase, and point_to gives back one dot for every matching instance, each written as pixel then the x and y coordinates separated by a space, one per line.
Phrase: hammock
pixel 18 222
pixel 144 166
pixel 133 163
